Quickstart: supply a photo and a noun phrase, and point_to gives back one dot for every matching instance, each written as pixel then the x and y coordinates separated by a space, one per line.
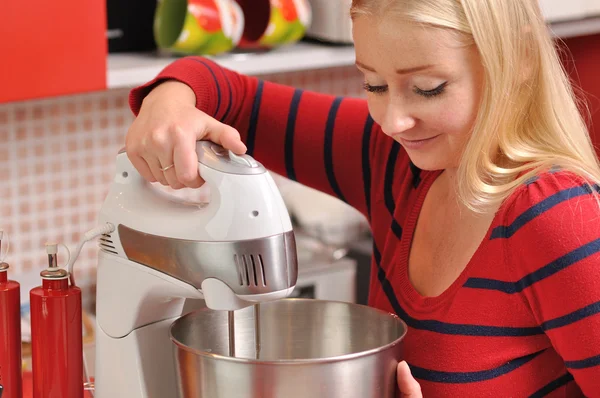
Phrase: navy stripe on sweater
pixel 575 316
pixel 531 180
pixel 289 135
pixel 250 141
pixel 230 103
pixel 553 386
pixel 388 186
pixel 470 377
pixel 470 330
pixel 216 83
pixel 328 150
pixel 555 266
pixel 366 162
pixel 553 170
pixel 506 231
pixel 583 363
pixel 388 182
pixel 396 229
pixel 416 172
pixel 387 287
pixel 443 327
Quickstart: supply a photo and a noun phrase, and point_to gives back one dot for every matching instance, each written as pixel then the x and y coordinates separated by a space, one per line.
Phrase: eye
pixel 374 89
pixel 431 93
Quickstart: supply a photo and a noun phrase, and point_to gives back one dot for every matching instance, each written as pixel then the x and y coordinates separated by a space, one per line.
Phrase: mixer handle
pixel 216 157
pixel 235 182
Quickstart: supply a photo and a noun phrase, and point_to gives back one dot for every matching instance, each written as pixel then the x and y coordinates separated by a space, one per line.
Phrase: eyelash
pixel 424 93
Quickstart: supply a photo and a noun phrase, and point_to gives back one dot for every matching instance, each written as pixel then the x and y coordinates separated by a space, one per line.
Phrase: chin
pixel 429 162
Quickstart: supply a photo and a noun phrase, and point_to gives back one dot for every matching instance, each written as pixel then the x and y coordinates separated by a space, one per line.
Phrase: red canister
pixel 10 336
pixel 56 334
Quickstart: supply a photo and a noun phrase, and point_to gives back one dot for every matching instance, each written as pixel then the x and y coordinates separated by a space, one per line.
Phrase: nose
pixel 397 120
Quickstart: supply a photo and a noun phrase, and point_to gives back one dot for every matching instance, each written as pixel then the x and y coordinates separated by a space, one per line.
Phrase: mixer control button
pixel 243 160
pixel 218 150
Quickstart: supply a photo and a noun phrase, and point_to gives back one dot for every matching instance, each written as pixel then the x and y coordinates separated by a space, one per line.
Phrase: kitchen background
pixel 64 116
pixel 57 160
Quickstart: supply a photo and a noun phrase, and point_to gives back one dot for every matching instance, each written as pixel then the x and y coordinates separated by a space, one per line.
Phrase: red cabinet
pixel 50 48
pixel 585 52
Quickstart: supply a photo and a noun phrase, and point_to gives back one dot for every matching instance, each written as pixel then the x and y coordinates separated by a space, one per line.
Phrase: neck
pixel 451 174
pixel 449 187
pixel 449 183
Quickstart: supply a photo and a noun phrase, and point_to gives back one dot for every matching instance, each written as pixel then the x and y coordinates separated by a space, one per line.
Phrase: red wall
pixel 585 53
pixel 51 47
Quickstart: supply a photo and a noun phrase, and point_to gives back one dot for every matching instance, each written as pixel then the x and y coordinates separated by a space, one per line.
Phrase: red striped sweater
pixel 522 320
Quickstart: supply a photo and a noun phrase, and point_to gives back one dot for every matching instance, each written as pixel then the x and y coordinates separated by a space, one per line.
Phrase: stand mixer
pixel 164 255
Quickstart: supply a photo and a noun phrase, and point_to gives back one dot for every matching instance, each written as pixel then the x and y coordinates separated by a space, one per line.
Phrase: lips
pixel 398 136
pixel 415 143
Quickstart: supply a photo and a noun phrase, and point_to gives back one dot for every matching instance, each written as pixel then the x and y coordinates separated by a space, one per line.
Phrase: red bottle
pixel 10 336
pixel 56 334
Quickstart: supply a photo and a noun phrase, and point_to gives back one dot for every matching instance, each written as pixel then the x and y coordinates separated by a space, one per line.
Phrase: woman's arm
pixel 553 227
pixel 322 141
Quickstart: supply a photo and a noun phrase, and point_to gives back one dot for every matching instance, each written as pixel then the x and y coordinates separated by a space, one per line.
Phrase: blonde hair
pixel 529 119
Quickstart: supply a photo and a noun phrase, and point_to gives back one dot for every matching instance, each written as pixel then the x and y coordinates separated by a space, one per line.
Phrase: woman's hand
pixel 409 387
pixel 165 132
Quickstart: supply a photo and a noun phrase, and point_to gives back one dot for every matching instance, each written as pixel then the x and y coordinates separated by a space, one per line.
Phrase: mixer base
pixel 129 366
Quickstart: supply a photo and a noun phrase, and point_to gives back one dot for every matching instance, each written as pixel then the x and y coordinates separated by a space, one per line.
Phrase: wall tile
pixel 56 160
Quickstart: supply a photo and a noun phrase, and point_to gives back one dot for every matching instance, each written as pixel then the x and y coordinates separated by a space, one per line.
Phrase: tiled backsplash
pixel 56 162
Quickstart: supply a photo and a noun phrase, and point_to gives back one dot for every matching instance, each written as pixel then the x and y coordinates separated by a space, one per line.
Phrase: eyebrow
pixel 398 71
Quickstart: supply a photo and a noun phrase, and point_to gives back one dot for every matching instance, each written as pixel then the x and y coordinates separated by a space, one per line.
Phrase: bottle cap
pixel 58 273
pixel 4 266
pixel 52 248
pixel 2 257
pixel 53 272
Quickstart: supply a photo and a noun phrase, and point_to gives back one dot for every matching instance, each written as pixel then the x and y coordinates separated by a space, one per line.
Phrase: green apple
pixel 280 31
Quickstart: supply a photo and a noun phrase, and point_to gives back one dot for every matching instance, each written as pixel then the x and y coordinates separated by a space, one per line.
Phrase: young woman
pixel 470 160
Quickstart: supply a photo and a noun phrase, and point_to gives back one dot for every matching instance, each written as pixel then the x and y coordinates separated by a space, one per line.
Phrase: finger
pixel 155 168
pixel 170 174
pixel 161 147
pixel 407 384
pixel 171 177
pixel 186 163
pixel 230 139
pixel 142 167
pixel 224 135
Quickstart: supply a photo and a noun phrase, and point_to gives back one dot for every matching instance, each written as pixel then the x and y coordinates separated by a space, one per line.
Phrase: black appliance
pixel 129 25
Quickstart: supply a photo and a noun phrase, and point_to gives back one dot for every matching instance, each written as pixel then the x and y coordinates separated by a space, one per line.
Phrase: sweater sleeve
pixel 553 232
pixel 319 140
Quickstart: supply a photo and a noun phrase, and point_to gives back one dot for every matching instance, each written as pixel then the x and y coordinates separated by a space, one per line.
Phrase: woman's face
pixel 424 87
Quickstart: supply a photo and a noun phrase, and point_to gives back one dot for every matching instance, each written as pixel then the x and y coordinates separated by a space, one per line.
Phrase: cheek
pixel 377 108
pixel 454 116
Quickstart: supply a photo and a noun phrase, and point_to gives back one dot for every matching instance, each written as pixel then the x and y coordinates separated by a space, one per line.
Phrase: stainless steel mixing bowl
pixel 309 349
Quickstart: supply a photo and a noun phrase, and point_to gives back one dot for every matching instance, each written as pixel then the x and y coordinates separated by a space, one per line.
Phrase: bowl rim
pixel 300 361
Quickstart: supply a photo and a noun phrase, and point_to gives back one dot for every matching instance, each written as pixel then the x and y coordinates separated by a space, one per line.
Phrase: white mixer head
pixel 238 249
